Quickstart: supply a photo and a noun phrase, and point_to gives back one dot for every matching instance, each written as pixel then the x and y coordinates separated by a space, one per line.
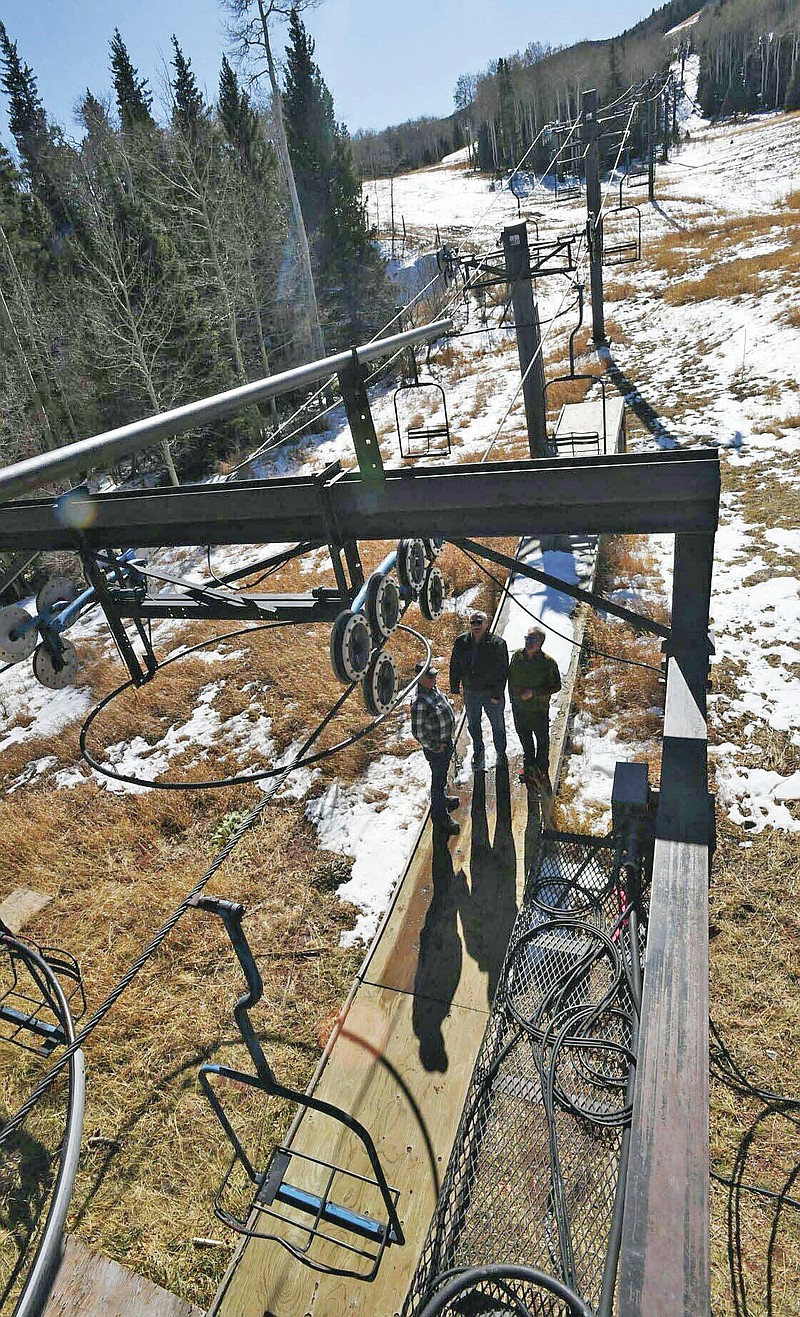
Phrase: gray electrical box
pixel 629 793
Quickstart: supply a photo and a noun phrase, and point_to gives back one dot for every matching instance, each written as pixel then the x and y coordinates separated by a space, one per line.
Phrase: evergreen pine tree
pixel 36 142
pixel 353 284
pixel 241 125
pixel 133 96
pixel 189 109
pixel 310 125
pixel 93 115
pixel 26 116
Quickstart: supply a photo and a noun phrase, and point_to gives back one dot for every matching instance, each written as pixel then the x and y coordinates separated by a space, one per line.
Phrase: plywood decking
pixel 90 1285
pixel 403 1060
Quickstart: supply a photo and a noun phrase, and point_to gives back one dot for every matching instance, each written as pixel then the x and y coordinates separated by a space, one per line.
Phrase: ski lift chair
pixel 623 249
pixel 301 1202
pixel 426 438
pixel 582 428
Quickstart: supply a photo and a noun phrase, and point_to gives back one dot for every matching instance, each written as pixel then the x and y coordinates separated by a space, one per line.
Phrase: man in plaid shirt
pixel 433 721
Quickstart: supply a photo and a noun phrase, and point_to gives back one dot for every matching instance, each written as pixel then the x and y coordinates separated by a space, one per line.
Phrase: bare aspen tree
pixel 250 30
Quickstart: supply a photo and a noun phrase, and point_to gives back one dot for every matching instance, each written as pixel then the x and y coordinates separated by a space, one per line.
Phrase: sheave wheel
pixel 382 605
pixel 14 643
pixel 433 547
pixel 411 564
pixel 46 672
pixel 57 590
pixel 379 683
pixel 351 646
pixel 432 595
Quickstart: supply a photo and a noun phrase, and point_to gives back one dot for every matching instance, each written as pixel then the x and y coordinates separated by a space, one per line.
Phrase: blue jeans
pixel 476 704
pixel 439 762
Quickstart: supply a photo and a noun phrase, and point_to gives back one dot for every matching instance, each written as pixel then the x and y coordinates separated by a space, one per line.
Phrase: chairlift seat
pixel 622 249
pixel 422 440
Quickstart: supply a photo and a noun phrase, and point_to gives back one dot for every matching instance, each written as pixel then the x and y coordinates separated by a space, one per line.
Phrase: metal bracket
pixel 359 417
pixel 105 597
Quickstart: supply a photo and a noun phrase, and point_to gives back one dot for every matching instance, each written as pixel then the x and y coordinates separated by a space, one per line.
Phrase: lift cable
pixel 612 171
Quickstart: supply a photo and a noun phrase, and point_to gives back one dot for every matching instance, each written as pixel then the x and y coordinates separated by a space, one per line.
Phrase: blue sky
pixel 383 61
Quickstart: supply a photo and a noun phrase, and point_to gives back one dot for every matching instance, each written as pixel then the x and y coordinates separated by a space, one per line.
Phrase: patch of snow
pixel 32 712
pixel 374 821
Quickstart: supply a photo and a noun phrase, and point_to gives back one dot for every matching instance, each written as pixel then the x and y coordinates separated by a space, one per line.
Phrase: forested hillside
pixel 157 259
pixel 750 60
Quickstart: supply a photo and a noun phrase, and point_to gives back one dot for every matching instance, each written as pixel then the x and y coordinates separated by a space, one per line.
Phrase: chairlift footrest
pixel 50 1034
pixel 277 1189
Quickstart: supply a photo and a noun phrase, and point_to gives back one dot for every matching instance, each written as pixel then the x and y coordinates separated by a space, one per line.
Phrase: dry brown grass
pixel 615 332
pixel 485 387
pixel 625 696
pixel 677 255
pixel 620 289
pixel 565 391
pixel 152 1152
pixel 792 316
pixel 755 933
pixel 741 277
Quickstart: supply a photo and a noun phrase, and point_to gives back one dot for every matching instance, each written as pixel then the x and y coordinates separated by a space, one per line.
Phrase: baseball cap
pixel 432 671
pixel 478 616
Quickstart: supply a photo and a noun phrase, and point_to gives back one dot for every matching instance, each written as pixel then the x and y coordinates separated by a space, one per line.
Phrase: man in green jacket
pixel 532 678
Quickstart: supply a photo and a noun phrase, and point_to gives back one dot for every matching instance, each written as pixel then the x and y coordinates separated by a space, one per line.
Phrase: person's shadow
pixel 534 826
pixel 440 956
pixel 26 1178
pixel 488 917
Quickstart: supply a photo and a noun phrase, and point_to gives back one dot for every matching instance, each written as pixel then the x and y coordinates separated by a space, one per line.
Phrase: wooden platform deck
pixel 90 1285
pixel 404 1057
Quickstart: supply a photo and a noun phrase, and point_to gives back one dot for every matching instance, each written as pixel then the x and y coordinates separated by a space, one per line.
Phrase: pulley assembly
pixel 360 632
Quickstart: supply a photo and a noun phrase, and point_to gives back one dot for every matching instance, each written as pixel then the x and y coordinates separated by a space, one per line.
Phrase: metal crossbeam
pixel 206 606
pixel 519 568
pixel 646 493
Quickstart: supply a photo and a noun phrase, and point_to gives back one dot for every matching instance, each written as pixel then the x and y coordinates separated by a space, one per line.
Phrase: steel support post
pixel 651 149
pixel 594 215
pixel 529 340
pixel 664 1258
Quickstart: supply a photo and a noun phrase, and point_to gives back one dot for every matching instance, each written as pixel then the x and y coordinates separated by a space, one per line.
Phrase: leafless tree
pixel 251 31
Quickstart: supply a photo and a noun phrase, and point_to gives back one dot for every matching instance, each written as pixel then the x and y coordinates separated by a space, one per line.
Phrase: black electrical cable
pixel 302 761
pixel 601 653
pixel 726 1070
pixel 559 1027
pixel 756 1189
